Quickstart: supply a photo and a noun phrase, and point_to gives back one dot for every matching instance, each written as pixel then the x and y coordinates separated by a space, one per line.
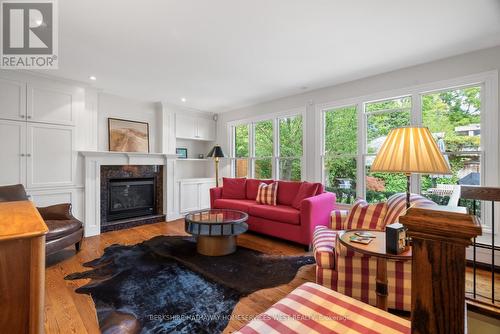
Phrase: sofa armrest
pixel 56 212
pixel 215 193
pixel 316 211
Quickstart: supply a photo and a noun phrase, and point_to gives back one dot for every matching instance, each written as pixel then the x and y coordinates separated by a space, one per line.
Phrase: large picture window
pixel 266 149
pixel 452 115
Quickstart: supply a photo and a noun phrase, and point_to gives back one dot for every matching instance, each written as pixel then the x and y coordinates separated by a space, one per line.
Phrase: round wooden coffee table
pixel 375 248
pixel 216 230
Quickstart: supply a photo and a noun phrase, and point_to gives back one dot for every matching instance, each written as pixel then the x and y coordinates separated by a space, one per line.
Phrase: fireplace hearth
pixel 130 196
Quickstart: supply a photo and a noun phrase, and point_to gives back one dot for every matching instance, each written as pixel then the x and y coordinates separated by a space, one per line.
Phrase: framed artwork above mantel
pixel 128 136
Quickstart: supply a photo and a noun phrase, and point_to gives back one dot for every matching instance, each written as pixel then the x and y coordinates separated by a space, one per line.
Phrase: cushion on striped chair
pixel 396 206
pixel 366 216
pixel 267 193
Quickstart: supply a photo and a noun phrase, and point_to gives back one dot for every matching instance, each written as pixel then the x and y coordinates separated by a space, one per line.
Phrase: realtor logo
pixel 29 34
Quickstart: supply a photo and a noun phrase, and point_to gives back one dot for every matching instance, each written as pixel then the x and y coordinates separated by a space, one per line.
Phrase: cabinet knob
pixel 29 117
pixel 28 155
pixel 22 116
pixel 22 154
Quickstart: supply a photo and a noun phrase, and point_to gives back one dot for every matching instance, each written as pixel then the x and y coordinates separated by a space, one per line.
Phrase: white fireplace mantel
pixel 93 161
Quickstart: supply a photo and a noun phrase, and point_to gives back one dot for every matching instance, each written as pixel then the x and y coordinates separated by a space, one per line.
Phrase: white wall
pixel 449 68
pixel 113 106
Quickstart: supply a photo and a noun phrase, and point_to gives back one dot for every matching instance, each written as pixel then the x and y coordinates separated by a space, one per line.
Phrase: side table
pixel 375 248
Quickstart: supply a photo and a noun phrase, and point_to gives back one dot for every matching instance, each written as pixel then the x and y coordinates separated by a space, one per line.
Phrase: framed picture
pixel 128 136
pixel 182 153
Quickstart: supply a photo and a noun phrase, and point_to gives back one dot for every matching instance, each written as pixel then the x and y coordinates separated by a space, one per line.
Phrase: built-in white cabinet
pixel 13 152
pixel 51 103
pixel 12 100
pixel 197 128
pixel 194 194
pixel 36 155
pixel 43 102
pixel 50 160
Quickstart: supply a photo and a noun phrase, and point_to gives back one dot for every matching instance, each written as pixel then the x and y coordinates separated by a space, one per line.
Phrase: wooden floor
pixel 69 312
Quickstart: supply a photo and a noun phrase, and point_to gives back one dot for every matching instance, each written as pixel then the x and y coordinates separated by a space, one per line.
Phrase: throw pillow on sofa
pixel 306 190
pixel 366 216
pixel 267 193
pixel 233 188
pixel 253 187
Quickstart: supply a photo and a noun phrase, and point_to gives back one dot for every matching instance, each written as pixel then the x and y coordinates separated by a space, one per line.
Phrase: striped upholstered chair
pixel 353 274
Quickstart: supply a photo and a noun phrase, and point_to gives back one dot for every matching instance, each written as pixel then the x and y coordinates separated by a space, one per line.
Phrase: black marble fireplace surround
pixel 131 195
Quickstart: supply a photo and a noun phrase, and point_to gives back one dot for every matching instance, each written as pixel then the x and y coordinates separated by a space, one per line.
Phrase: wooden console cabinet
pixel 22 268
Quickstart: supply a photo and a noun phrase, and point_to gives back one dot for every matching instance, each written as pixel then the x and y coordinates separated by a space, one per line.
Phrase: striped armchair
pixel 353 274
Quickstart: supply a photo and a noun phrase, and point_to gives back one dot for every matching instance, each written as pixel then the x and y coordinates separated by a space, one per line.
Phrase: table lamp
pixel 410 150
pixel 216 153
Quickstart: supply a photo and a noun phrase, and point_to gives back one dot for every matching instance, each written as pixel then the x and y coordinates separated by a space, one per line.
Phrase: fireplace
pixel 130 198
pixel 131 195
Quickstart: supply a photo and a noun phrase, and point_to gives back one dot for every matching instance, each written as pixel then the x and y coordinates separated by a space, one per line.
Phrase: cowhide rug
pixel 163 285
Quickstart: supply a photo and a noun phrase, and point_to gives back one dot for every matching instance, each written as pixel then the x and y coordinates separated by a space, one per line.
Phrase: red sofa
pixel 283 220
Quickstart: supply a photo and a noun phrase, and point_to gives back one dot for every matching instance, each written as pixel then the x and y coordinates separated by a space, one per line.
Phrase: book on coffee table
pixel 361 240
pixel 365 234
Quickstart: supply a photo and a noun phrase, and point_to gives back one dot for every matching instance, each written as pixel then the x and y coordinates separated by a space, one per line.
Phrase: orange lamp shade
pixel 410 150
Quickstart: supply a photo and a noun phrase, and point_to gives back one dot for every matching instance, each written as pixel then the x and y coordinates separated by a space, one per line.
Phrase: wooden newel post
pixel 438 267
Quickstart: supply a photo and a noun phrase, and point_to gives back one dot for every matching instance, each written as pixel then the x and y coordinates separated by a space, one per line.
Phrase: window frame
pixel 274 117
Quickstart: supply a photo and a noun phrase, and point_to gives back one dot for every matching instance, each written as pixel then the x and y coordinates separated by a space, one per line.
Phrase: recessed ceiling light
pixel 183 99
pixel 93 78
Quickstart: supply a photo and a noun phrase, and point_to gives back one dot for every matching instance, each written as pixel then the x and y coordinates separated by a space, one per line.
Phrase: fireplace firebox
pixel 130 198
pixel 131 195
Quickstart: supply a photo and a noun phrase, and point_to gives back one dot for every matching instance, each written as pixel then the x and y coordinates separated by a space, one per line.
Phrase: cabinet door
pixel 12 151
pixel 12 100
pixel 185 127
pixel 204 193
pixel 50 157
pixel 206 129
pixel 188 194
pixel 52 103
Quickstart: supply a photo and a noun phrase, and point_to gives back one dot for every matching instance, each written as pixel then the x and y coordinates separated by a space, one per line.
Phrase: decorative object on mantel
pixel 216 153
pixel 128 136
pixel 182 153
pixel 128 285
pixel 201 156
pixel 410 150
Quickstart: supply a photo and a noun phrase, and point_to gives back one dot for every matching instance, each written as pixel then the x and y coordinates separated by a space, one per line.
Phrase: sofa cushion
pixel 253 187
pixel 234 204
pixel 367 216
pixel 306 190
pixel 233 188
pixel 287 191
pixel 281 213
pixel 267 193
pixel 61 228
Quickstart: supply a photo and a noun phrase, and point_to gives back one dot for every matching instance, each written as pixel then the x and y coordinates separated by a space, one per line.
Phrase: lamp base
pixel 408 176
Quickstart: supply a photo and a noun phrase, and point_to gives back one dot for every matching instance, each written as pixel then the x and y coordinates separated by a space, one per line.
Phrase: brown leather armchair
pixel 64 229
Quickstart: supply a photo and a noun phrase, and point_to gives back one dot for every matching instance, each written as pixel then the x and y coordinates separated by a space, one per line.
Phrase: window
pixel 241 151
pixel 340 152
pixel 290 148
pixel 454 118
pixel 263 162
pixel 267 149
pixel 381 118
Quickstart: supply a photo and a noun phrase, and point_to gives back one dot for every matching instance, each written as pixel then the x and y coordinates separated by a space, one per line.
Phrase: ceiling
pixel 223 54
